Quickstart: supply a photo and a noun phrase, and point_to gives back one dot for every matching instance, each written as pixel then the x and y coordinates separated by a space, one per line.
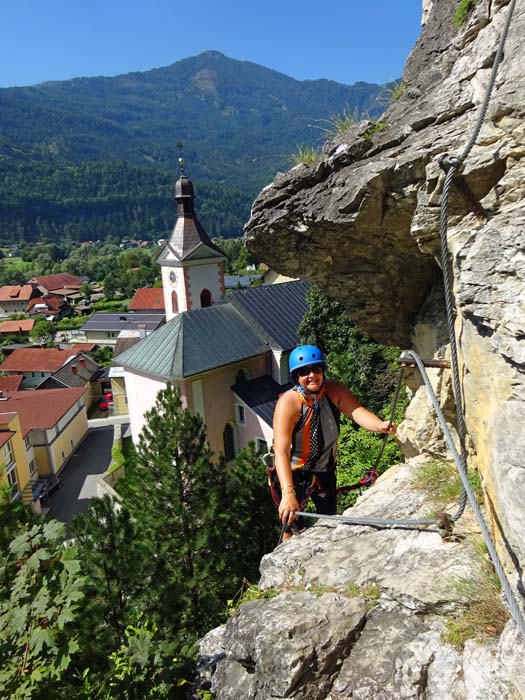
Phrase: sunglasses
pixel 311 369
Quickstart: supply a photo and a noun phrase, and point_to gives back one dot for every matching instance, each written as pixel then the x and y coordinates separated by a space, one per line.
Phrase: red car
pixel 105 402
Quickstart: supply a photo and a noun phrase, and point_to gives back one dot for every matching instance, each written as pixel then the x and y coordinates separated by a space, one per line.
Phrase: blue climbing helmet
pixel 305 355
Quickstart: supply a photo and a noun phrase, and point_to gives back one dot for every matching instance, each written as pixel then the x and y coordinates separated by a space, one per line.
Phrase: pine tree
pixel 180 497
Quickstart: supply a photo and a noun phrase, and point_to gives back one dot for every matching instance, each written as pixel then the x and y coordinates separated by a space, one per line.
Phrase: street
pixel 79 476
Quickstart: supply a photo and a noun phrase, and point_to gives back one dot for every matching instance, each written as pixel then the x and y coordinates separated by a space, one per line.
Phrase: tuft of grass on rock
pixel 339 123
pixel 483 614
pixel 440 479
pixel 374 128
pixel 305 155
pixel 462 12
pixel 395 90
pixel 248 592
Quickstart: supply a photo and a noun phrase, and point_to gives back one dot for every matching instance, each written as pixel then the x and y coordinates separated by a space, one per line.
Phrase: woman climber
pixel 306 429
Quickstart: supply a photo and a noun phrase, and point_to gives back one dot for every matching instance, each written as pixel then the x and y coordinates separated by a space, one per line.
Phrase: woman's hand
pixel 386 427
pixel 287 508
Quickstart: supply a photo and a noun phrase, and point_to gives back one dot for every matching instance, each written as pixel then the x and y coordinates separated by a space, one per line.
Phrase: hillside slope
pixel 239 123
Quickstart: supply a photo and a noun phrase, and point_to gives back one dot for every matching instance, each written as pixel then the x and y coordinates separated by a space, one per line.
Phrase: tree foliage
pixel 38 609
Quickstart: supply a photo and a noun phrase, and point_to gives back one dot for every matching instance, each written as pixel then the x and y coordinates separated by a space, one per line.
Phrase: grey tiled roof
pixel 194 342
pixel 205 339
pixel 275 310
pixel 118 322
pixel 260 395
pixel 66 377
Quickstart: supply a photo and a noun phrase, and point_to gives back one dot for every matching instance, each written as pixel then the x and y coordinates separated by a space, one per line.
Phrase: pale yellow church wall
pixel 219 400
pixel 253 428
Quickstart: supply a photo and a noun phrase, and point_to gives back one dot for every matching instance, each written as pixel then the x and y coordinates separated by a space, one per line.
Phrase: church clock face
pixel 173 278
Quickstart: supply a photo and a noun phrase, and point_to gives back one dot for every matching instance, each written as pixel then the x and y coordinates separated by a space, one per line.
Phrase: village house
pixel 42 429
pixel 15 298
pixel 52 306
pixel 47 284
pixel 229 359
pixel 18 466
pixel 35 365
pixel 23 327
pixel 104 329
pixel 147 300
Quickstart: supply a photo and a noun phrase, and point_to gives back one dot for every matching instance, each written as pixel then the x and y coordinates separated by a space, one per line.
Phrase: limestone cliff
pixel 363 223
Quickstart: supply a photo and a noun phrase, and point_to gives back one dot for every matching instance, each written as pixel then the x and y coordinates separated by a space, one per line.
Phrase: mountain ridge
pixel 238 121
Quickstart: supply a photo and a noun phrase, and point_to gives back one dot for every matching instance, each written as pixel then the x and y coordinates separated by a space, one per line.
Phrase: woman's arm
pixel 285 417
pixel 347 403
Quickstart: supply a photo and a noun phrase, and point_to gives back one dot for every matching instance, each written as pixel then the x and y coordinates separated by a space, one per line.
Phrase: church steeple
pixel 192 265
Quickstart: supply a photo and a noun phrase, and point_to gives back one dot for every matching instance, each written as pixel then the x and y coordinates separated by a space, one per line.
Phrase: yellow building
pixel 52 423
pixel 19 469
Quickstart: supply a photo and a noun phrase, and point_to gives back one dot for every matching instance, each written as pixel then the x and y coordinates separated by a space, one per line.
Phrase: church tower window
pixel 205 298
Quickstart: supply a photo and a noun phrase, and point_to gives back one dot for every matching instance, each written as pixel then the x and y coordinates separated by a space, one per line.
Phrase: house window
pixel 228 442
pixel 205 298
pixel 32 467
pixel 174 302
pixel 27 442
pixel 7 450
pixel 13 481
pixel 240 414
pixel 261 446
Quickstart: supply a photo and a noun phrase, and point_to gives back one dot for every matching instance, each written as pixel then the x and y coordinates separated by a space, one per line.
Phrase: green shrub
pixel 358 451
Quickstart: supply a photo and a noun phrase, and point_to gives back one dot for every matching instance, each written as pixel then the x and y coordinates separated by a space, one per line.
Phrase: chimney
pixel 74 369
pixel 83 362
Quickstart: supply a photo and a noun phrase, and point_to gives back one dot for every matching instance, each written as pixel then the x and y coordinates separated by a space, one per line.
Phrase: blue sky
pixel 344 40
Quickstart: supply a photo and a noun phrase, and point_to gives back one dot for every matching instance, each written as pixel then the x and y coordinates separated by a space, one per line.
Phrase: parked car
pixel 50 484
pixel 105 402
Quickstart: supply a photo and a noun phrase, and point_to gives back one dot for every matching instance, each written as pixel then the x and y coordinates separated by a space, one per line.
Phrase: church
pixel 227 355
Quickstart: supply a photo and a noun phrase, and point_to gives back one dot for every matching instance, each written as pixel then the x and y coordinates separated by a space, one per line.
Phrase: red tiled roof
pixel 150 298
pixel 36 359
pixel 5 436
pixel 52 302
pixel 16 292
pixel 23 326
pixel 85 347
pixel 62 279
pixel 11 383
pixel 41 410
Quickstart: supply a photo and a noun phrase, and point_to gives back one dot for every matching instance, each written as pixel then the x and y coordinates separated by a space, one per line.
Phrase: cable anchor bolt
pixel 445 526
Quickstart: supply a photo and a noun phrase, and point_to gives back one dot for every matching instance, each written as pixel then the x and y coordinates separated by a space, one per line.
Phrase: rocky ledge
pixel 357 612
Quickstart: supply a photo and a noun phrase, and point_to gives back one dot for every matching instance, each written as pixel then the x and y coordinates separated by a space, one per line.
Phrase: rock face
pixel 359 613
pixel 363 223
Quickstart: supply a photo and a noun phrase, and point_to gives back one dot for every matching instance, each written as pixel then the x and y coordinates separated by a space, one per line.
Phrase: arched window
pixel 205 298
pixel 174 302
pixel 228 442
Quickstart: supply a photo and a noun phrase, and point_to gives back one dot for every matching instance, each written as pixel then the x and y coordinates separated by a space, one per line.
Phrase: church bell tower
pixel 192 265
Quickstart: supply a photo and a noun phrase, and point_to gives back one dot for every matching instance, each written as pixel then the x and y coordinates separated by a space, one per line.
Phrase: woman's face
pixel 310 378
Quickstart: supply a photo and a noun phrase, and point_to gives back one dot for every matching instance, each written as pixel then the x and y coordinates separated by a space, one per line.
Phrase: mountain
pixel 77 153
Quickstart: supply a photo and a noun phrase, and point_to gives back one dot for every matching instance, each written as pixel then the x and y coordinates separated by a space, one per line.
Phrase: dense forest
pixel 89 158
pixel 94 201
